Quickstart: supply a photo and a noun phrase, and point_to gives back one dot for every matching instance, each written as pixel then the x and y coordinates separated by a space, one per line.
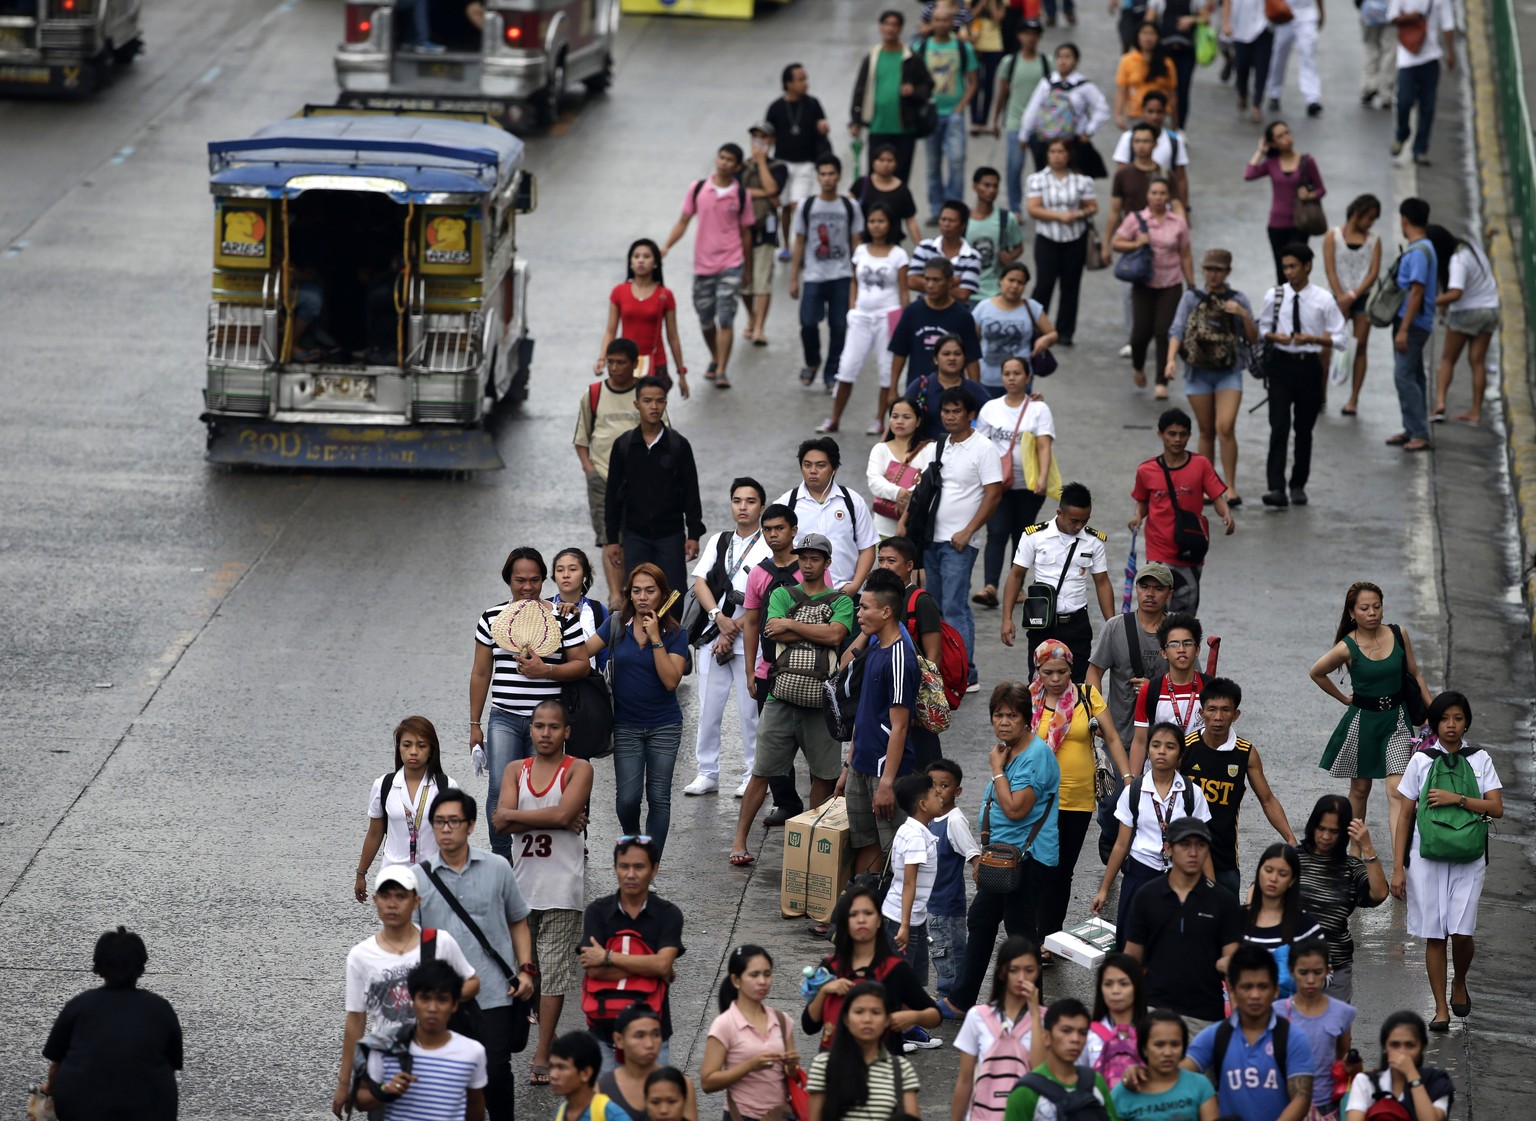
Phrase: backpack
pixel 693 618
pixel 793 499
pixel 805 216
pixel 832 1006
pixel 741 197
pixel 596 1111
pixel 1012 62
pixel 1119 1052
pixel 1078 1104
pixel 1387 299
pixel 999 1069
pixel 603 1000
pixel 1209 342
pixel 1280 1042
pixel 1450 833
pixel 800 669
pixel 954 663
pixel 842 706
pixel 926 492
pixel 1056 116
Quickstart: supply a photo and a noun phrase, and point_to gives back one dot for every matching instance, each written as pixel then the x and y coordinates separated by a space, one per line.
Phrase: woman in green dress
pixel 1374 739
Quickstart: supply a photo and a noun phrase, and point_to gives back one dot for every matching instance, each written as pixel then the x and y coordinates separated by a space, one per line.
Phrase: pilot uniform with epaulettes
pixel 1067 563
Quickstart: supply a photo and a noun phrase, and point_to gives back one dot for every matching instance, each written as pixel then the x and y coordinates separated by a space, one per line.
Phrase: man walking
pixel 925 624
pixel 800 129
pixel 1065 554
pixel 725 565
pixel 1418 276
pixel 721 249
pixel 1299 319
pixel 1418 72
pixel 892 87
pixel 825 506
pixel 1170 491
pixel 653 502
pixel 826 229
pixel 765 177
pixel 923 323
pixel 950 244
pixel 995 235
pixel 473 895
pixel 953 65
pixel 1170 150
pixel 606 412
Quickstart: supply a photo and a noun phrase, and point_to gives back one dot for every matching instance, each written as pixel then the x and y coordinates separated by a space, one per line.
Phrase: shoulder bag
pixel 1013 445
pixel 1307 214
pixel 899 473
pixel 1408 686
pixel 1041 365
pixel 1135 267
pixel 1001 867
pixel 1258 350
pixel 589 704
pixel 1191 535
pixel 1040 599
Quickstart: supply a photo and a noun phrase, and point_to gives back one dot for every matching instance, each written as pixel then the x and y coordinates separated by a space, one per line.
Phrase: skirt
pixel 1369 745
pixel 1443 897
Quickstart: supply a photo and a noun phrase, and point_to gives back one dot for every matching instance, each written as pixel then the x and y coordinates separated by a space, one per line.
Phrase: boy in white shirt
pixel 914 864
pixel 445 1078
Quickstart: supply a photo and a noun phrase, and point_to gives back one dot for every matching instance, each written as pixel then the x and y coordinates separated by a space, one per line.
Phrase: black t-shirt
pixel 899 204
pixel 659 924
pixel 900 982
pixel 920 326
pixel 1223 778
pixel 118 1051
pixel 796 137
pixel 1181 942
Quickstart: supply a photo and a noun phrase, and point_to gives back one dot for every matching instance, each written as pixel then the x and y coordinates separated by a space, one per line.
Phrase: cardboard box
pixel 818 860
pixel 1086 943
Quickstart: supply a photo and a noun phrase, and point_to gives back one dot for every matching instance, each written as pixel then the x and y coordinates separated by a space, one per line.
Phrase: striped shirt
pixel 1069 193
pixel 1331 891
pixel 442 1075
pixel 510 690
pixel 967 262
pixel 881 1079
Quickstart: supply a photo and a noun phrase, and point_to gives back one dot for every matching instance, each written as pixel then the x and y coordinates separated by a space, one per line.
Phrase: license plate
pixel 444 71
pixel 342 387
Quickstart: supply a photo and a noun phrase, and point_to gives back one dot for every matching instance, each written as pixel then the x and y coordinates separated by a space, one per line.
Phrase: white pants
pixel 715 682
pixel 866 331
pixel 1301 35
pixel 1380 76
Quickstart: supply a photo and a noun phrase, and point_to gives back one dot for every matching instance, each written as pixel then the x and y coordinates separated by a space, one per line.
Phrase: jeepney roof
pixel 426 156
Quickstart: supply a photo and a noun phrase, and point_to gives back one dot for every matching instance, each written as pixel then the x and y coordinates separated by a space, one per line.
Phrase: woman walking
pixel 857 1078
pixel 750 1048
pixel 1169 1091
pixel 1449 794
pixel 643 310
pixel 1021 427
pixel 1334 882
pixel 1012 1014
pixel 1374 738
pixel 1471 305
pixel 1154 301
pixel 986 30
pixel 1176 21
pixel 879 291
pixel 1352 260
pixel 1273 918
pixel 1018 77
pixel 1062 204
pixel 1246 25
pixel 399 800
pixel 650 655
pixel 882 188
pixel 895 465
pixel 1010 326
pixel 1142 70
pixel 1085 107
pixel 1292 176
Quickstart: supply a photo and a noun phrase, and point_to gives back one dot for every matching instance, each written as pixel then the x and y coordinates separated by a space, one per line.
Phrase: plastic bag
pixel 1343 364
pixel 1206 49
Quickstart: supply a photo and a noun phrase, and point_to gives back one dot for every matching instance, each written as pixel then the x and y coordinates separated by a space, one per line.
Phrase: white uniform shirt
pixel 1411 785
pixel 1147 841
pixel 849 525
pixel 967 468
pixel 742 555
pixel 1043 550
pixel 1170 151
pixel 400 812
pixel 1440 16
pixel 1320 315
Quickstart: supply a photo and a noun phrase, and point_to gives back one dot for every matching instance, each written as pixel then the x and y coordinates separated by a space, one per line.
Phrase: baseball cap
pixel 1183 828
pixel 1159 572
pixel 1032 25
pixel 762 127
pixel 402 874
pixel 813 542
pixel 1217 259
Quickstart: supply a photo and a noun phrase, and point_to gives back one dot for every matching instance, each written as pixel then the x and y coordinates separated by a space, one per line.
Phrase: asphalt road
pixel 201 669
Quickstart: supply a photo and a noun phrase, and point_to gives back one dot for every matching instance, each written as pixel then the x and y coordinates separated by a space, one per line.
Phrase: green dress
pixel 1371 744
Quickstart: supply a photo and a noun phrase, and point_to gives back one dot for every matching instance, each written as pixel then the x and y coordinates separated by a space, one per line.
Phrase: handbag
pixel 1258 350
pixel 519 1007
pixel 1041 365
pixel 1013 443
pixel 1408 686
pixel 1307 214
pixel 788 1111
pixel 1040 599
pixel 902 474
pixel 1095 260
pixel 1412 31
pixel 589 704
pixel 1278 12
pixel 1191 534
pixel 1135 267
pixel 1001 867
pixel 1103 772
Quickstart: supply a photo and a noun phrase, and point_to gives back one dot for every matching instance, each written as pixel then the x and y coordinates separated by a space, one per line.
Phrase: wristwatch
pixel 1415 1084
pixel 529 968
pixel 713 611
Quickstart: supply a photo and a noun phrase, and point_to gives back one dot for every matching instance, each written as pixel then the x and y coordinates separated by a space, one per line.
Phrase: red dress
pixel 643 322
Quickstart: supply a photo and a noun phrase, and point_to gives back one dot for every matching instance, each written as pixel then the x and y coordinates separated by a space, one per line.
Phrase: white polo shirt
pixel 742 555
pixel 843 517
pixel 1043 550
pixel 1147 841
pixel 965 470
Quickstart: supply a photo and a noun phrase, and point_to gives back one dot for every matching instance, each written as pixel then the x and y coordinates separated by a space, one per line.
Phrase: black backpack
pixel 924 504
pixel 1078 1104
pixel 1280 1044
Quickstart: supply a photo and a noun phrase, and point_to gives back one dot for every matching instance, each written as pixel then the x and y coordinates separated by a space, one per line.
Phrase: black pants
pixel 986 78
pixel 1016 911
pixel 1295 385
pixel 1184 70
pixel 1056 883
pixel 1128 23
pixel 1253 58
pixel 906 147
pixel 1013 515
pixel 666 553
pixel 925 744
pixel 1152 312
pixel 1076 633
pixel 497 1026
pixel 1279 238
pixel 1060 261
pixel 781 787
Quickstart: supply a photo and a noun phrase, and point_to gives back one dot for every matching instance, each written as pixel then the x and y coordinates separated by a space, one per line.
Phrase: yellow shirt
pixel 1076 755
pixel 1132 73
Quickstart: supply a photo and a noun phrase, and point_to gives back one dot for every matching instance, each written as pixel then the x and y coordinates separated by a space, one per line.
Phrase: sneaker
pixel 784 255
pixel 973 687
pixel 780 815
pixel 1125 351
pixel 1298 496
pixel 1274 105
pixel 917 1039
pixel 875 429
pixel 1397 147
pixel 427 46
pixel 702 784
pixel 826 426
pixel 1276 498
pixel 1422 161
pixel 741 791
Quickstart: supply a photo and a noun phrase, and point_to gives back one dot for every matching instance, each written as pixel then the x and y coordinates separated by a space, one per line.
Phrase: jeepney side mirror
pixel 526 200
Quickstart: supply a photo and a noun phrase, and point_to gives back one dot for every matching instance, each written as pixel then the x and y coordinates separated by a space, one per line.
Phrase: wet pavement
pixel 201 669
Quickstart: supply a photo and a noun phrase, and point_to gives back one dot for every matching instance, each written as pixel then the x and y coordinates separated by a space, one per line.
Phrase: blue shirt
pixel 1180 1102
pixel 1034 766
pixel 948 895
pixel 890 680
pixel 1249 1084
pixel 1420 266
pixel 640 700
pixel 1322 1035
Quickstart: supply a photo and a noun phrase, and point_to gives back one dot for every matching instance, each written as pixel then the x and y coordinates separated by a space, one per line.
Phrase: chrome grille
pixel 68 37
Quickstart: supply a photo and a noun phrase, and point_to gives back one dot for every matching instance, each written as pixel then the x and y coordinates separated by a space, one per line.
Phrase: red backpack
pixel 954 662
pixel 998 1070
pixel 832 1006
pixel 603 1000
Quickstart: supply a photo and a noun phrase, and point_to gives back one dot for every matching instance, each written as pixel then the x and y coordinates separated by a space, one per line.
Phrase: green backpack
pixel 1450 833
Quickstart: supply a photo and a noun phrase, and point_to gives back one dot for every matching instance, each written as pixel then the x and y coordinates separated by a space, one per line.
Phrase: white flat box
pixel 1086 943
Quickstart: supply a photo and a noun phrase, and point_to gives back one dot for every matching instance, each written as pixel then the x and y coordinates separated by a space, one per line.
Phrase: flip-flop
pixel 948 1011
pixel 821 930
pixel 987 597
pixel 1417 446
pixel 742 859
pixel 538 1076
pixel 1397 441
pixel 709 374
pixel 1347 411
pixel 758 340
pixel 722 382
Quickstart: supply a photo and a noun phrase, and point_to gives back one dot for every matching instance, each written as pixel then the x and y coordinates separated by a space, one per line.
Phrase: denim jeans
pixel 1014 176
pixel 1408 376
pixel 643 759
pixel 948 950
pixel 949 583
pixel 507 741
pixel 824 299
pixel 917 947
pixel 946 143
pixel 1417 85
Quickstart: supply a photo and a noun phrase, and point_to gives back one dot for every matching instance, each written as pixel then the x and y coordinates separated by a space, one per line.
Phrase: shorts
pixel 801 183
pixel 1474 321
pixel 555 935
pixel 714 298
pixel 864 828
pixel 1197 383
pixel 761 282
pixel 597 496
pixel 1358 307
pixel 782 728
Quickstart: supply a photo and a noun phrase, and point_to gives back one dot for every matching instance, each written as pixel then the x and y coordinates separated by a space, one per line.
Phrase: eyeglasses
pixel 1181 644
pixel 449 822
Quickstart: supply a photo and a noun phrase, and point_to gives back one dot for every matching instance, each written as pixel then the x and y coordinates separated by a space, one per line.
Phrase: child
pixel 1441 801
pixel 1002 1039
pixel 914 864
pixel 1066 1031
pixel 572 572
pixel 447 1073
pixel 574 1062
pixel 1325 1022
pixel 1118 1006
pixel 1168 1091
pixel 666 1093
pixel 1147 804
pixel 957 849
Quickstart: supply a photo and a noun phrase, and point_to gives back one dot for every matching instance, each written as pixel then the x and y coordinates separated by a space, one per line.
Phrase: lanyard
pixel 414 824
pixel 730 554
pixel 1164 812
pixel 1183 718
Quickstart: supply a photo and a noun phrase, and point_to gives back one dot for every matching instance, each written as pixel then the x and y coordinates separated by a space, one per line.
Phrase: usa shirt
pixel 1249 1084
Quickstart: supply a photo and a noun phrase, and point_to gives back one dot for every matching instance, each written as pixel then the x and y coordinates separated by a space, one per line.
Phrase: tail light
pixel 72 9
pixel 360 22
pixel 523 30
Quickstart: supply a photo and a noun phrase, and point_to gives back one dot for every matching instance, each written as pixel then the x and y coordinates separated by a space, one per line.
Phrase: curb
pixel 1514 333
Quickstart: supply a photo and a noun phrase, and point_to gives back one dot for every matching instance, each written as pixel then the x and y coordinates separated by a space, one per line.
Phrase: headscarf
pixel 1061 719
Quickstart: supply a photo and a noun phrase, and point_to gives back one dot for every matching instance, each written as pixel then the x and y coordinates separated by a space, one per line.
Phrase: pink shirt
pixel 1170 234
pixel 753 599
pixel 762 1090
pixel 717 234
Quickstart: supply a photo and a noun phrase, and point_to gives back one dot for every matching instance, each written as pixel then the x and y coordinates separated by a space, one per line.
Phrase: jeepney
pixel 65 47
pixel 519 64
pixel 368 306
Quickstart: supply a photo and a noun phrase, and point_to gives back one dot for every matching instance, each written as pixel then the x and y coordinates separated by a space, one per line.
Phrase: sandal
pixel 742 859
pixel 987 597
pixel 1138 379
pixel 948 1010
pixel 1397 441
pixel 709 374
pixel 538 1075
pixel 1417 446
pixel 722 382
pixel 821 930
pixel 1348 410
